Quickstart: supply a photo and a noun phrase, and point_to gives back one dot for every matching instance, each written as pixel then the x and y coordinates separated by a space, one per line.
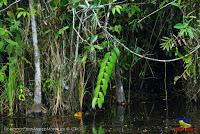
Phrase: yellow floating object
pixel 78 114
pixel 184 124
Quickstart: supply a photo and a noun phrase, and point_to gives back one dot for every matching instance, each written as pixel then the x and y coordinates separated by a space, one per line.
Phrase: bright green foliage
pixel 186 31
pixel 189 69
pixel 10 43
pixel 178 4
pixel 116 9
pixel 106 68
pixel 21 94
pixel 7 44
pixel 61 31
pixel 11 83
pixel 99 131
pixel 23 12
pixel 64 26
pixel 184 28
pixel 2 73
pixel 130 10
pixel 168 43
pixel 116 28
pixel 3 2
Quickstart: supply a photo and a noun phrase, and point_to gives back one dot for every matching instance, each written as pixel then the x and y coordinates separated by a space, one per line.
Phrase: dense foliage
pixel 77 43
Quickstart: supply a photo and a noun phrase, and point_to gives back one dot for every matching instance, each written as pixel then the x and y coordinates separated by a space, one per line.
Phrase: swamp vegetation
pixel 64 56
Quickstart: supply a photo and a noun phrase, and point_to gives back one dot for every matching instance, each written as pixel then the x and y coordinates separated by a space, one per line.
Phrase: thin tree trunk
pixel 37 93
pixel 119 87
pixel 120 113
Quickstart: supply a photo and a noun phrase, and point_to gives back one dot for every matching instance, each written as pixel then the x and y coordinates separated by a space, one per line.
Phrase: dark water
pixel 137 118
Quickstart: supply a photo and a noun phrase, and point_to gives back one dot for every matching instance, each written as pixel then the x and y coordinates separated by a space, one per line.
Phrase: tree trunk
pixel 120 113
pixel 119 87
pixel 37 93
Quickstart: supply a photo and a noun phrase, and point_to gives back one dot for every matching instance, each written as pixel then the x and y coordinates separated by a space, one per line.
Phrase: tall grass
pixel 11 83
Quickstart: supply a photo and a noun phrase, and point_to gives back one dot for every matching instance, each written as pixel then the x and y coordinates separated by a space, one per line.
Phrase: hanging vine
pixel 106 68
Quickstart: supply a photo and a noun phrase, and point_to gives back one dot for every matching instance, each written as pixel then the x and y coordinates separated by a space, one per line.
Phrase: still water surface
pixel 137 118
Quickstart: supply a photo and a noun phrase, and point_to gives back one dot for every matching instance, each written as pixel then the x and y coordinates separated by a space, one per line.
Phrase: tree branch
pixel 9 6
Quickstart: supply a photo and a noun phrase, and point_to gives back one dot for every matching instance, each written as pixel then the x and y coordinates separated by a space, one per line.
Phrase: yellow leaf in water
pixel 78 115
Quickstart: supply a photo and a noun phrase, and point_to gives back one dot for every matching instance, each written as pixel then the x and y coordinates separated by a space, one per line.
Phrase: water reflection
pixel 100 130
pixel 136 118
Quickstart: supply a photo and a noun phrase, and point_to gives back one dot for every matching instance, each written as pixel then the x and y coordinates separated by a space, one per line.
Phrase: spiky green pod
pixel 107 66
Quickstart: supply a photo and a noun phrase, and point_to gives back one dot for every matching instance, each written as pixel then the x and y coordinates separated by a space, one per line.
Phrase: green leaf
pixel 98 47
pixel 61 31
pixel 14 25
pixel 18 50
pixel 116 28
pixel 4 32
pixel 104 86
pixel 11 45
pixel 96 91
pixel 179 26
pixel 100 103
pixel 82 6
pixel 177 4
pixel 2 76
pixel 190 33
pixel 176 78
pixel 116 51
pixel 106 76
pixel 84 59
pixel 110 68
pixel 113 58
pixel 19 15
pixel 20 9
pixel 192 17
pixel 93 39
pixel 167 43
pixel 102 69
pixel 188 59
pixel 5 2
pixel 1 45
pixel 11 14
pixel 133 10
pixel 184 76
pixel 100 77
pixel 101 130
pixel 23 13
pixel 101 96
pixel 163 3
pixel 94 102
pixel 188 70
pixel 21 97
pixel 105 60
pixel 182 32
pixel 113 11
pixel 177 53
pixel 117 9
pixel 94 131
